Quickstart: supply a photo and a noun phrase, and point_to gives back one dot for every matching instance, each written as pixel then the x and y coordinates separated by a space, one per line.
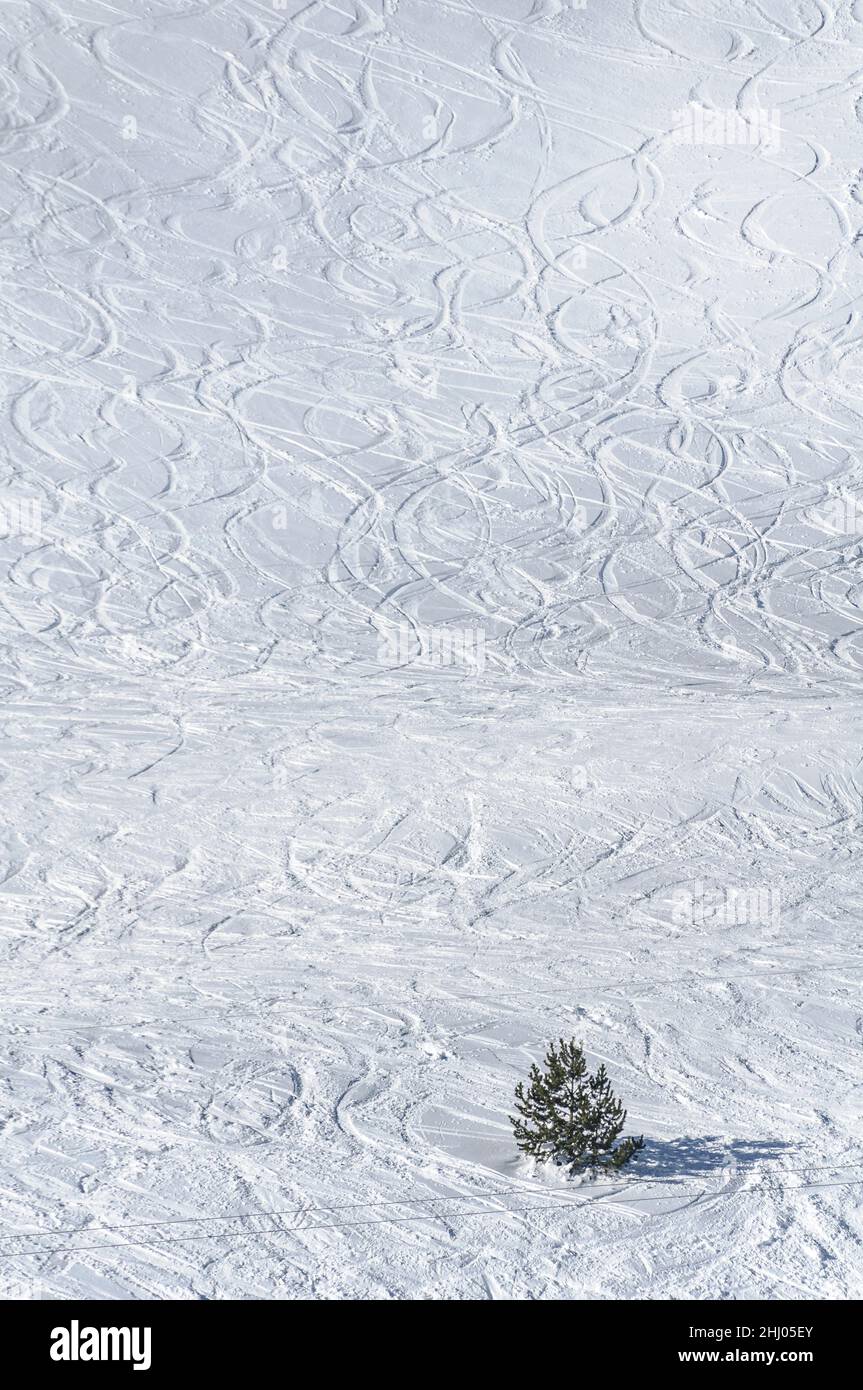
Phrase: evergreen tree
pixel 570 1116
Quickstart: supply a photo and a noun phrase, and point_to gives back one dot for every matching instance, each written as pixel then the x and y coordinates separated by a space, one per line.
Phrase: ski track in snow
pixel 328 320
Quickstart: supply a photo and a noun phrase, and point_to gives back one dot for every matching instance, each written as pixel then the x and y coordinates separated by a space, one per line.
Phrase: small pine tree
pixel 569 1116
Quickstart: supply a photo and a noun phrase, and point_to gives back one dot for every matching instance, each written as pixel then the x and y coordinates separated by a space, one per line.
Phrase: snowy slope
pixel 431 522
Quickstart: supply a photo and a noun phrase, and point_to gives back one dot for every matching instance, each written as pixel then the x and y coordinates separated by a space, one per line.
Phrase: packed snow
pixel 431 524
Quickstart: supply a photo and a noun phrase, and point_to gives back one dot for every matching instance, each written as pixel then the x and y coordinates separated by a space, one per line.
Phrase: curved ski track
pixel 325 322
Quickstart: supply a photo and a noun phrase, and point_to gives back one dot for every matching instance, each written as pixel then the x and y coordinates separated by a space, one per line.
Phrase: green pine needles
pixel 569 1116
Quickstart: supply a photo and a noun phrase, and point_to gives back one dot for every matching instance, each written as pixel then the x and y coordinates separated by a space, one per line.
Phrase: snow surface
pixel 326 322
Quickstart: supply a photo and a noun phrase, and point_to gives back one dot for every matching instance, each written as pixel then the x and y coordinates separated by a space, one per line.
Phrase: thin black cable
pixel 567 1201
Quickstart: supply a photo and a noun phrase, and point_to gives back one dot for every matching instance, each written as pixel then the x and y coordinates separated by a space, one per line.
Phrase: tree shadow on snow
pixel 696 1156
